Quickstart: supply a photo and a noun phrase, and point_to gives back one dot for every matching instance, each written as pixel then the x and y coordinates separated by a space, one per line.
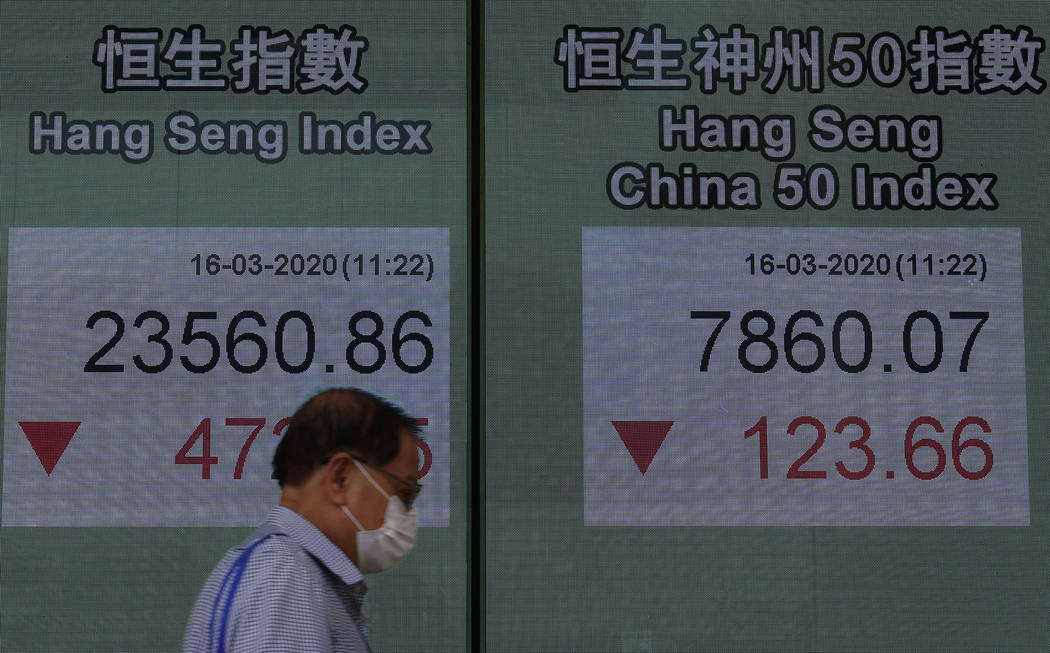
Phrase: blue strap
pixel 233 579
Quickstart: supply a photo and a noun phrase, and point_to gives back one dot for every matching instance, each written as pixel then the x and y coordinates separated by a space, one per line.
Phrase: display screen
pixel 717 361
pixel 210 213
pixel 724 324
pixel 765 326
pixel 183 352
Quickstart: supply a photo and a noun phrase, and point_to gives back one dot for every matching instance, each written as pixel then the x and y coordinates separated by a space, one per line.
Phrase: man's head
pixel 344 452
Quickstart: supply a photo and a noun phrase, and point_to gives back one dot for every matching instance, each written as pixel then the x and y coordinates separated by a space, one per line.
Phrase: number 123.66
pixel 864 464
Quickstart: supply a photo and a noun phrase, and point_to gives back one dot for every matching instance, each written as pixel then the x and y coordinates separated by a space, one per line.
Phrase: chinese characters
pixel 321 58
pixel 935 60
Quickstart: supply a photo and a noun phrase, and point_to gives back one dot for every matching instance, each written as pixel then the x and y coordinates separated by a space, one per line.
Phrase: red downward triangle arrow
pixel 49 440
pixel 642 439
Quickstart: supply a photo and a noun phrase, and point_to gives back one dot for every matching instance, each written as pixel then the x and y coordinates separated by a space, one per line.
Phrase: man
pixel 347 467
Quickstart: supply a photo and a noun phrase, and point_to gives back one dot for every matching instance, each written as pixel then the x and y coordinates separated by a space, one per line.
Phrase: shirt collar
pixel 315 542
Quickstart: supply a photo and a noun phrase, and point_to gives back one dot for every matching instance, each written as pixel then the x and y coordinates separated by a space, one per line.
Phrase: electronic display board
pixel 766 303
pixel 211 212
pixel 114 295
pixel 731 455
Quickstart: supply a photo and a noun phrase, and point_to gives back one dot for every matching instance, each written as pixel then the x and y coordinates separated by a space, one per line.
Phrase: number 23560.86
pixel 246 348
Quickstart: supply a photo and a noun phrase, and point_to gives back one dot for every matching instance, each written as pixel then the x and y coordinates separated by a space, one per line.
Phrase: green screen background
pixel 131 589
pixel 553 584
pixel 550 583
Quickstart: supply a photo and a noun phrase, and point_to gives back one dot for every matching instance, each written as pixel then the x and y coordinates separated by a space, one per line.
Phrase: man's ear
pixel 338 474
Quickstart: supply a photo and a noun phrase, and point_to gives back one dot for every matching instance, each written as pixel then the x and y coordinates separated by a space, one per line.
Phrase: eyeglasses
pixel 412 488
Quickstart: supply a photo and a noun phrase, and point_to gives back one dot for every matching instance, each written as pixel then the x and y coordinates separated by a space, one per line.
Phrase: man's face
pixel 366 502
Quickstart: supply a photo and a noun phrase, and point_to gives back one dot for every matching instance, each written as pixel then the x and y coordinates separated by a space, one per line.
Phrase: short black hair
pixel 340 420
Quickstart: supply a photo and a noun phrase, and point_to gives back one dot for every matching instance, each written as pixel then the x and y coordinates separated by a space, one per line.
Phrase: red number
pixel 909 448
pixel 258 423
pixel 278 428
pixel 957 448
pixel 428 458
pixel 763 448
pixel 796 470
pixel 205 460
pixel 865 433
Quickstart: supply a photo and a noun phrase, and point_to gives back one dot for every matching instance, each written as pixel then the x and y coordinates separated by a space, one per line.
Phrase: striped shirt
pixel 297 592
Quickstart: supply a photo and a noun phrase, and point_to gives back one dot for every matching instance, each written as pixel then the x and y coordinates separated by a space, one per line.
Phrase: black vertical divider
pixel 475 187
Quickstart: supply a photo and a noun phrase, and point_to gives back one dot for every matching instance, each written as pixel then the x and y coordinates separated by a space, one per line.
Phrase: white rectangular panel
pixel 858 337
pixel 230 313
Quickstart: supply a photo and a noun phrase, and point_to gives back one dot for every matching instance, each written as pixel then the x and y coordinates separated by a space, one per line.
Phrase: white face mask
pixel 380 549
